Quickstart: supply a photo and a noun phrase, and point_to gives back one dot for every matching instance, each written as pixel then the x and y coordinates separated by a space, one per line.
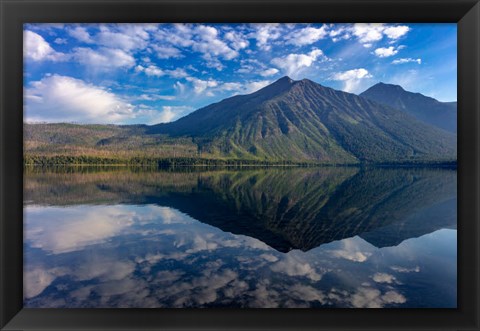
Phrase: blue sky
pixel 152 73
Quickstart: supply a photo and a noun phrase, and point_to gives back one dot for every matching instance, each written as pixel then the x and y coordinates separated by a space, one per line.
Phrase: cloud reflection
pixel 150 256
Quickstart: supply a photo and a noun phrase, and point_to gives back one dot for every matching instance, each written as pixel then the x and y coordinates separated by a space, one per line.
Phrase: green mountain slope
pixel 425 109
pixel 303 120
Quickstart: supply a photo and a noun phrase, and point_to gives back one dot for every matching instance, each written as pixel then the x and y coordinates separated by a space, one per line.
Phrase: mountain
pixel 295 121
pixel 425 109
pixel 303 120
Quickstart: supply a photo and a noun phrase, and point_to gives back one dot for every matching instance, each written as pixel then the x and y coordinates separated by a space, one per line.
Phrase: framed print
pixel 226 165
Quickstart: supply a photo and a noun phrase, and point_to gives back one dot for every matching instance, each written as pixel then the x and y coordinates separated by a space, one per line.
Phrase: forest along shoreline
pixel 87 161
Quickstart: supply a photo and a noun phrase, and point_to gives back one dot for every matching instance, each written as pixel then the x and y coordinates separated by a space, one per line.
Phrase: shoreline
pixel 159 163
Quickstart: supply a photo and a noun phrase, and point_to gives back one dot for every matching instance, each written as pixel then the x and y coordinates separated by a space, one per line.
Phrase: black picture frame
pixel 14 13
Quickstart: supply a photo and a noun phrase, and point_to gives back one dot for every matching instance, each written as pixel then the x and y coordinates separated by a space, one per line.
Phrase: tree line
pixel 56 160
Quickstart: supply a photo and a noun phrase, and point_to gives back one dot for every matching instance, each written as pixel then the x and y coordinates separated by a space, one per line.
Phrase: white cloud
pixel 210 45
pixel 408 79
pixel 153 97
pixel 60 41
pixel 200 86
pixel 177 73
pixel 119 40
pixel 165 214
pixel 140 30
pixel 306 293
pixel 367 297
pixel 203 39
pixel 210 87
pixel 351 249
pixel 81 34
pixel 380 277
pixel 213 63
pixel 72 229
pixel 103 58
pixel 242 88
pixel 231 86
pixel 168 114
pixel 407 60
pixel 369 33
pixel 341 32
pixel 237 40
pixel 37 280
pixel 292 63
pixel 352 74
pixel 393 297
pixel 395 32
pixel 269 257
pixel 61 98
pixel 264 33
pixel 180 87
pixel 269 72
pixel 250 65
pixel 201 243
pixel 151 70
pixel 38 49
pixel 293 266
pixel 245 69
pixel 405 270
pixel 104 269
pixel 386 51
pixel 126 37
pixel 306 36
pixel 251 87
pixel 47 27
pixel 180 35
pixel 351 78
pixel 167 51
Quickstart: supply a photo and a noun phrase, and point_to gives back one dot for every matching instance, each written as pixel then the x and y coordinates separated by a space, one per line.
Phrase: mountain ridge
pixel 305 120
pixel 286 121
pixel 424 108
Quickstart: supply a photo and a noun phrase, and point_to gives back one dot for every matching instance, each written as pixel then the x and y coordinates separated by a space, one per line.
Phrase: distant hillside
pixel 425 109
pixel 114 141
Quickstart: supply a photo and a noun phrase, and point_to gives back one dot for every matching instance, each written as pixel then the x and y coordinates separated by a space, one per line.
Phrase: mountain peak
pixel 383 86
pixel 284 79
pixel 423 108
pixel 283 82
pixel 279 86
pixel 288 80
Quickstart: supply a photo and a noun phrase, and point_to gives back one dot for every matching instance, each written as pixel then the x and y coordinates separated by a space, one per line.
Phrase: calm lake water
pixel 317 237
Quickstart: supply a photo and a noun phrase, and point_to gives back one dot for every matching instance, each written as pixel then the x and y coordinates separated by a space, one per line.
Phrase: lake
pixel 255 237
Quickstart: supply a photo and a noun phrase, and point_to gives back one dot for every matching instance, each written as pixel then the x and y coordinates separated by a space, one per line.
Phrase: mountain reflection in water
pixel 316 237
